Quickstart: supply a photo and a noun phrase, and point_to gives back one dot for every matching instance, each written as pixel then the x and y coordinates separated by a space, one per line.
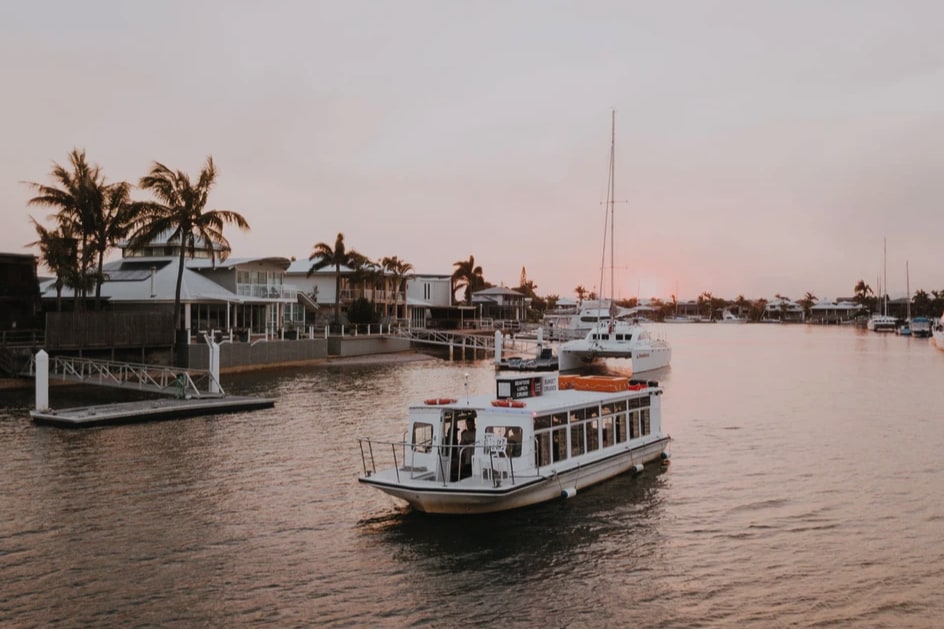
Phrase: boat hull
pixel 483 495
pixel 643 360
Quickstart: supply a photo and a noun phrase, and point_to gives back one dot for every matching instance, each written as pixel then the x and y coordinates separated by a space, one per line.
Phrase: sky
pixel 761 147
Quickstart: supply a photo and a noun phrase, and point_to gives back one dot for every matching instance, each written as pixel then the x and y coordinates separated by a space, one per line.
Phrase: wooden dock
pixel 147 410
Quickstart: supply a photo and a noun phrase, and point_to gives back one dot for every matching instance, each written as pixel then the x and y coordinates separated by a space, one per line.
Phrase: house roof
pixel 494 291
pixel 300 267
pixel 232 263
pixel 130 280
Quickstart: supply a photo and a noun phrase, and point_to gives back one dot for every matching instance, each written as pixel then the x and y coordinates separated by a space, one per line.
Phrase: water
pixel 805 490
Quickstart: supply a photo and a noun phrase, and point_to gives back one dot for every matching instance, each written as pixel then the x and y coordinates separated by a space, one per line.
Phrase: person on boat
pixel 467 447
pixel 514 442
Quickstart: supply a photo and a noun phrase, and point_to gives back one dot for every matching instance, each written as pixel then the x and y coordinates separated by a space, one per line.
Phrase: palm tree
pixel 807 302
pixel 180 216
pixel 58 251
pixel 79 199
pixel 324 255
pixel 112 224
pixel 581 293
pixel 862 292
pixel 401 271
pixel 467 275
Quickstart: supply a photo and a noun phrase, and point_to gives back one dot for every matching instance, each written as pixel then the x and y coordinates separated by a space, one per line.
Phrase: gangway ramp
pixel 162 379
pixel 463 341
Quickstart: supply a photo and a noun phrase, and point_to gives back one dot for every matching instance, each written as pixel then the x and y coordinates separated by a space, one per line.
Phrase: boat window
pixel 559 419
pixel 542 421
pixel 607 431
pixel 621 428
pixel 593 435
pixel 634 424
pixel 578 414
pixel 635 402
pixel 619 405
pixel 577 443
pixel 422 437
pixel 543 454
pixel 644 421
pixel 559 444
pixel 512 434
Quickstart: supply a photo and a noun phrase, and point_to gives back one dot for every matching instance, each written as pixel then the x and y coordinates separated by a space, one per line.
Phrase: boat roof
pixel 546 402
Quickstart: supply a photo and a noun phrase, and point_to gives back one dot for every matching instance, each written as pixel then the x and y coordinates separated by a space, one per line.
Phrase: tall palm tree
pixel 325 255
pixel 58 251
pixel 79 198
pixel 401 270
pixel 112 224
pixel 180 216
pixel 467 275
pixel 807 303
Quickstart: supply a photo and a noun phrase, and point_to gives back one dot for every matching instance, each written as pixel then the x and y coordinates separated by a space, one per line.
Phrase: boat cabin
pixel 526 427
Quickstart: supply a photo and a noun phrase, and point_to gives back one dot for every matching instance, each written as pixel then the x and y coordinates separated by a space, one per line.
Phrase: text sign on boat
pixel 531 386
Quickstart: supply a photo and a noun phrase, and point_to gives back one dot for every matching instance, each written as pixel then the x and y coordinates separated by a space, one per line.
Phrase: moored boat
pixel 539 437
pixel 729 317
pixel 921 327
pixel 616 339
pixel 937 332
pixel 882 323
pixel 615 336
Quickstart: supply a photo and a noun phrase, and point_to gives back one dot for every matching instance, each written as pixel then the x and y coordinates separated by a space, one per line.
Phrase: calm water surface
pixel 805 490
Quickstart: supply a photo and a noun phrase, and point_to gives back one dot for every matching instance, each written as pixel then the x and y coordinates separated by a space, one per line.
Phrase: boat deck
pixel 147 410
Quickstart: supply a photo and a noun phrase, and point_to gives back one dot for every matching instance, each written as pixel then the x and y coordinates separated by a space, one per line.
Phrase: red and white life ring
pixel 439 401
pixel 508 403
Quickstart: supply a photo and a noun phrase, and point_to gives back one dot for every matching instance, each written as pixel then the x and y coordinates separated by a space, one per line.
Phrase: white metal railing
pixel 155 378
pixel 281 292
pixel 496 464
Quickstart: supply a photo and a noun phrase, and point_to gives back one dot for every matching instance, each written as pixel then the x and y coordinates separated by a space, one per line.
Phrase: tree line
pixel 93 216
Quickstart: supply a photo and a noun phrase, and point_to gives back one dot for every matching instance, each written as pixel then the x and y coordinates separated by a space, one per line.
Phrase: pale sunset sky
pixel 762 147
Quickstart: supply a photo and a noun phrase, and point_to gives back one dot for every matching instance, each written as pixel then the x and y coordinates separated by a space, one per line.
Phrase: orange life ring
pixel 508 403
pixel 440 401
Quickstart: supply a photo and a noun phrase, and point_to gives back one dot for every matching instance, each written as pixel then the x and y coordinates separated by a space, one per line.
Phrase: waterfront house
pixel 840 311
pixel 237 296
pixel 783 310
pixel 507 307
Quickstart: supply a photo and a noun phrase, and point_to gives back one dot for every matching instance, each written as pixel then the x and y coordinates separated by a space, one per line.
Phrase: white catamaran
pixel 539 437
pixel 616 336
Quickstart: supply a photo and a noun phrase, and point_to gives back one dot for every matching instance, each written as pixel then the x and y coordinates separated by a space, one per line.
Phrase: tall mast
pixel 612 215
pixel 908 289
pixel 885 276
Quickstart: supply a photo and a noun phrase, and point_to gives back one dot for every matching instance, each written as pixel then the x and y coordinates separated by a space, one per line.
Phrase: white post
pixel 540 341
pixel 42 380
pixel 214 366
pixel 498 346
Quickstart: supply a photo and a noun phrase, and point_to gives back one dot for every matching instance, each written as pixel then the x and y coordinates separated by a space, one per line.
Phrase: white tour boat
pixel 537 438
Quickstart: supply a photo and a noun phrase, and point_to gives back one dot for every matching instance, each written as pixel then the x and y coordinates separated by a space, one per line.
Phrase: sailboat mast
pixel 885 276
pixel 908 289
pixel 612 213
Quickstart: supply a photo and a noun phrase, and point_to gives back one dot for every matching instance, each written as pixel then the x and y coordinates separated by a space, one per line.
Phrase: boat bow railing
pixel 493 455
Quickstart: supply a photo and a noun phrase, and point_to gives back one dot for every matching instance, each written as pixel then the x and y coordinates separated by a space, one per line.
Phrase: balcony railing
pixel 285 292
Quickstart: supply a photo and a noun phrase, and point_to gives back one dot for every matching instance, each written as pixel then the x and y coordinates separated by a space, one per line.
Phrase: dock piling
pixel 42 381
